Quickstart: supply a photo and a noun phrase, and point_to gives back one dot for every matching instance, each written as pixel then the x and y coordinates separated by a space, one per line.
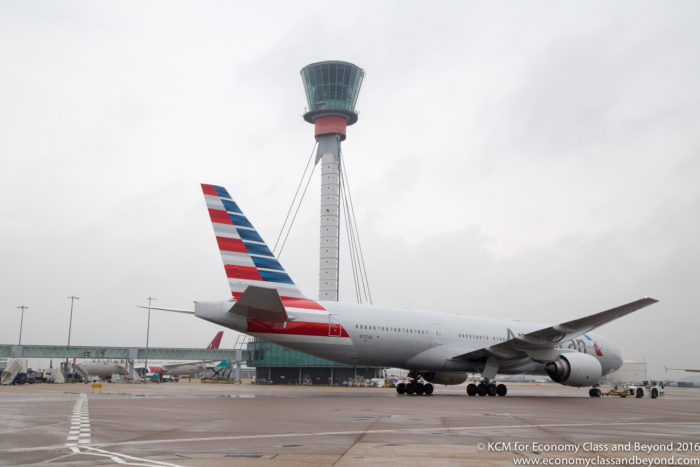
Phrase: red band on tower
pixel 330 125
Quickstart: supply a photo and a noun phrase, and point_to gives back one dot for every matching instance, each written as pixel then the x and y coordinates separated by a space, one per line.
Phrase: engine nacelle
pixel 444 377
pixel 575 369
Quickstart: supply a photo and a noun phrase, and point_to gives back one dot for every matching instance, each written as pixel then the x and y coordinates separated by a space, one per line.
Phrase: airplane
pixel 689 370
pixel 185 368
pixel 436 348
pixel 102 369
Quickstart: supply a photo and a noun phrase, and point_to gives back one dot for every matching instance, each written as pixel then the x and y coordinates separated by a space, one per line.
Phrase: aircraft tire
pixel 428 389
pixel 640 393
pixel 591 393
pixel 501 390
pixel 471 389
pixel 420 389
pixel 401 388
pixel 491 389
pixel 410 388
pixel 481 389
pixel 654 393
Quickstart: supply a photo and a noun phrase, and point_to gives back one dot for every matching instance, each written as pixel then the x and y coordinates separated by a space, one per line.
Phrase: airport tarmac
pixel 194 424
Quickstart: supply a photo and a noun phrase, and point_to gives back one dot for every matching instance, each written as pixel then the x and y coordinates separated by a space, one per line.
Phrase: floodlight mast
pixel 332 88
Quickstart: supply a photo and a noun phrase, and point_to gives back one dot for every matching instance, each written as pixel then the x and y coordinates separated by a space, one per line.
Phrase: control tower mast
pixel 332 88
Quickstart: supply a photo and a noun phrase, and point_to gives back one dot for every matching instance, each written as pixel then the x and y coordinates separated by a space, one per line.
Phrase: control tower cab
pixel 332 89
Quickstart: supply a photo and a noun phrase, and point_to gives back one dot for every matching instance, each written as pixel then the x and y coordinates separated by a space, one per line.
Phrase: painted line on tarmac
pixel 398 430
pixel 80 423
pixel 79 438
pixel 359 432
pixel 120 458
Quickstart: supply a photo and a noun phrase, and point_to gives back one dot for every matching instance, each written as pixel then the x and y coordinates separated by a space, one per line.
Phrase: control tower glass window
pixel 332 85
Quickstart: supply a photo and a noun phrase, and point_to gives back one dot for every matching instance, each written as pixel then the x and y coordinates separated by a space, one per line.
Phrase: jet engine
pixel 575 369
pixel 444 377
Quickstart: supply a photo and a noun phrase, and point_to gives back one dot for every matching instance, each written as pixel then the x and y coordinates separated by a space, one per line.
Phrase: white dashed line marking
pixel 79 432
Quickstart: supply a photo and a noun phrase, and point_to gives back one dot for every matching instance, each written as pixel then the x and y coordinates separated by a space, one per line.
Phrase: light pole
pixel 148 329
pixel 21 307
pixel 70 323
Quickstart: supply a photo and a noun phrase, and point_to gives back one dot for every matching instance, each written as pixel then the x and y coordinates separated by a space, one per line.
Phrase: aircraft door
pixel 334 328
pixel 436 332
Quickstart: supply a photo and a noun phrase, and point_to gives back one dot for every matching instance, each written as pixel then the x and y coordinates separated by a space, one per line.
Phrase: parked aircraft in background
pixel 185 368
pixel 690 370
pixel 435 347
pixel 103 370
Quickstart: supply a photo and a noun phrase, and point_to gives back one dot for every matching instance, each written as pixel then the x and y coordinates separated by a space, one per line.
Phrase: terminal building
pixel 275 364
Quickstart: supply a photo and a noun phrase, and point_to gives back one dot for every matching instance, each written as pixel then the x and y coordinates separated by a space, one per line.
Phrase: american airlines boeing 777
pixel 435 347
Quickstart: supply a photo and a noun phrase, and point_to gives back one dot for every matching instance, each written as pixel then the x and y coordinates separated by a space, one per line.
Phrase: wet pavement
pixel 204 424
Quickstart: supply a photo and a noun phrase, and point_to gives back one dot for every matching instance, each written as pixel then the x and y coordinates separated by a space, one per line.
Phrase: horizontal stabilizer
pixel 174 310
pixel 261 303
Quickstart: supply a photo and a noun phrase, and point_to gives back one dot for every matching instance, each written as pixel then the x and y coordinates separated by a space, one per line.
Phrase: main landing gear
pixel 595 392
pixel 485 388
pixel 415 386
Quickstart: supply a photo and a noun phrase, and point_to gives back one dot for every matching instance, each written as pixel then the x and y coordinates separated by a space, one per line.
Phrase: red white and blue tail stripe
pixel 247 259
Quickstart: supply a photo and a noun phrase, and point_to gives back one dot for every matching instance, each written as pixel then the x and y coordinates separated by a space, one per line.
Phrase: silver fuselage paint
pixel 103 370
pixel 409 339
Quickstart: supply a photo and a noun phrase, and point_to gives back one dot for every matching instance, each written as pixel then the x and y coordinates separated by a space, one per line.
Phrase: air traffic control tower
pixel 332 88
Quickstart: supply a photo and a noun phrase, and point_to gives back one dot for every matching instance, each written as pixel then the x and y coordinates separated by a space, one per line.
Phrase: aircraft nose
pixel 617 358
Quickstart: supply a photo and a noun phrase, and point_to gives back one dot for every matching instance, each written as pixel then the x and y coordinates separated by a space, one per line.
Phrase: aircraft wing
pixel 175 366
pixel 540 345
pixel 691 370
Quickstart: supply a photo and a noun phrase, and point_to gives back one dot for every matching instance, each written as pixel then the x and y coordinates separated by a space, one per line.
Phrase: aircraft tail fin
pixel 216 341
pixel 247 258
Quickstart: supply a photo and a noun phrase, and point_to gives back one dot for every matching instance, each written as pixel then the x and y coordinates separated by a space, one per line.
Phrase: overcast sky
pixel 528 160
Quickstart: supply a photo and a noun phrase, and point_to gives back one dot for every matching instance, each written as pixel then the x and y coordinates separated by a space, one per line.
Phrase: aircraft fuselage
pixel 368 335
